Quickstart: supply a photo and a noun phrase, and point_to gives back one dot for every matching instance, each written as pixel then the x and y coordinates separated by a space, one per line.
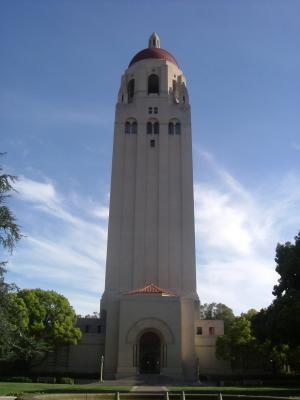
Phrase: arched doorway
pixel 150 353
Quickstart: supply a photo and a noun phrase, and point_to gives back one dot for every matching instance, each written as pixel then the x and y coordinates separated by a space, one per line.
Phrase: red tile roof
pixel 151 289
pixel 158 53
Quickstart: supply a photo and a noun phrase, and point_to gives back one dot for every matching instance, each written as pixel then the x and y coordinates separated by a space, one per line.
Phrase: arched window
pixel 127 127
pixel 134 128
pixel 156 128
pixel 153 84
pixel 131 126
pixel 149 128
pixel 130 90
pixel 177 128
pixel 171 128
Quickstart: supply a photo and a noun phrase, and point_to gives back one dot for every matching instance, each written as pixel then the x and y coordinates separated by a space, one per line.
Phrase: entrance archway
pixel 150 353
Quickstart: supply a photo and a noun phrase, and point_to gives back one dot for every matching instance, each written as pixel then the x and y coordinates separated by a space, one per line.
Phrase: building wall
pixel 205 345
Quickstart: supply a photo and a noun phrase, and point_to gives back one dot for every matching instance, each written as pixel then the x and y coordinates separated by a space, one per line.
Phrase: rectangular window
pixel 199 330
pixel 211 331
pixel 87 328
pixel 155 110
pixel 150 110
pixel 152 143
pixel 99 329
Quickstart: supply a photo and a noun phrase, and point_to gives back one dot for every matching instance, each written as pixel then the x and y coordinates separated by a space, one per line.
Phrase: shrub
pixel 23 379
pixel 66 380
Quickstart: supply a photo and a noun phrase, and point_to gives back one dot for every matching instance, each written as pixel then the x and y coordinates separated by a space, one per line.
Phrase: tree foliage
pixel 9 230
pixel 41 320
pixel 9 235
pixel 280 322
pixel 217 311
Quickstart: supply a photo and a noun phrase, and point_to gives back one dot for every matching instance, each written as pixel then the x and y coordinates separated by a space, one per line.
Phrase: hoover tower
pixel 150 299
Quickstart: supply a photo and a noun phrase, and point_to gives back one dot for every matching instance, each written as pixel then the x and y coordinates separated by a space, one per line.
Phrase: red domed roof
pixel 153 52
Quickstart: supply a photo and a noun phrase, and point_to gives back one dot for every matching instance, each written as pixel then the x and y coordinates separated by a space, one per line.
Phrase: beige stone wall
pixel 151 224
pixel 81 359
pixel 205 345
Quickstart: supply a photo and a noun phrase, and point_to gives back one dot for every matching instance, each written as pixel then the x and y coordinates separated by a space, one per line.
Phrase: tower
pixel 150 299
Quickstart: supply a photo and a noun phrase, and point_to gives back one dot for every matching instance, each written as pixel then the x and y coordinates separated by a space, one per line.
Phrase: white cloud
pixel 236 235
pixel 65 244
pixel 36 192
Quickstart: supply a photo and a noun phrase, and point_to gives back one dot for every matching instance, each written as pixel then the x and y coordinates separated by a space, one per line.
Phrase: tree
pixel 217 311
pixel 280 322
pixel 9 235
pixel 42 320
pixel 237 343
pixel 9 230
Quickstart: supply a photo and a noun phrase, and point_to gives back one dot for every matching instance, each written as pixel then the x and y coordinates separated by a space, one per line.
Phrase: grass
pixel 14 388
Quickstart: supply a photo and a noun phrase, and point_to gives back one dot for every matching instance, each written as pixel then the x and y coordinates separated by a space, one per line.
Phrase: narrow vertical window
pixel 130 90
pixel 152 143
pixel 211 331
pixel 153 84
pixel 156 128
pixel 127 127
pixel 134 128
pixel 155 110
pixel 150 110
pixel 199 330
pixel 178 128
pixel 149 128
pixel 171 128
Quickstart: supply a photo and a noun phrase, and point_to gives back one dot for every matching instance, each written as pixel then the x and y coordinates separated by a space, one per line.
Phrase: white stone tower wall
pixel 151 226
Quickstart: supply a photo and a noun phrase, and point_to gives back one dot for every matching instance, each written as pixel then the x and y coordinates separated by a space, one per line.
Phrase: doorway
pixel 150 353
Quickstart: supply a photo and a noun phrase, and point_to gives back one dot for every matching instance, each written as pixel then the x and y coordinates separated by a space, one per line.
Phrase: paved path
pixel 149 389
pixel 7 397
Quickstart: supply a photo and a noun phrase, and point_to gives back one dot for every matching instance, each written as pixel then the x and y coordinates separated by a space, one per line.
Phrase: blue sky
pixel 61 64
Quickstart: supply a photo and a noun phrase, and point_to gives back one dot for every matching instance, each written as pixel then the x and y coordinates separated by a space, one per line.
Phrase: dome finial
pixel 154 41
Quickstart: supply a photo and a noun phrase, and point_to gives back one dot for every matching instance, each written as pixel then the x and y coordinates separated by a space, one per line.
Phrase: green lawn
pixel 12 388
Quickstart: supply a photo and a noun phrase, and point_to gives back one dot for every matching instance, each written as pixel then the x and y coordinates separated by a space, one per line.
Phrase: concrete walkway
pixel 7 397
pixel 149 389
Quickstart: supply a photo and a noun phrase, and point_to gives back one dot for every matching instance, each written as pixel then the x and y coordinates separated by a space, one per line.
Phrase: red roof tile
pixel 158 53
pixel 151 289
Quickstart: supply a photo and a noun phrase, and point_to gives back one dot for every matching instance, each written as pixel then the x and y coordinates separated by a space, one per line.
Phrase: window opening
pixel 127 127
pixel 134 128
pixel 150 110
pixel 99 328
pixel 130 90
pixel 199 330
pixel 171 128
pixel 149 128
pixel 156 128
pixel 211 331
pixel 153 84
pixel 152 143
pixel 178 128
pixel 87 328
pixel 155 110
